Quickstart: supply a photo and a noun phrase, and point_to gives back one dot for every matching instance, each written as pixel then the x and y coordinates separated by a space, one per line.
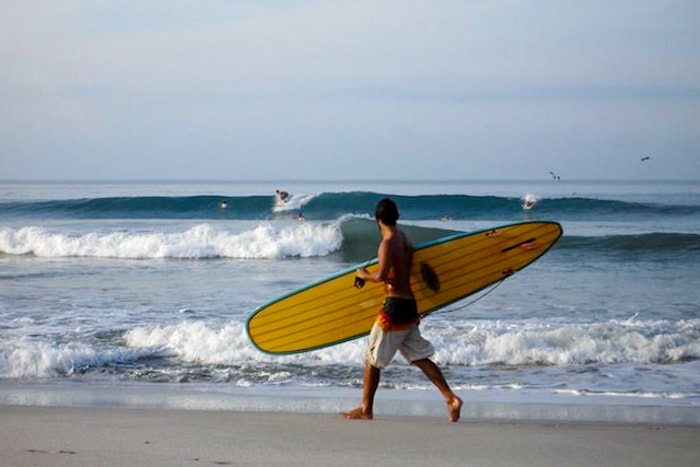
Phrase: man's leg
pixel 371 383
pixel 431 370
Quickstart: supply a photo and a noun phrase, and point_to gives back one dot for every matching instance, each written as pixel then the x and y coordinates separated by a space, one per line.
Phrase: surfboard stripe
pixel 332 310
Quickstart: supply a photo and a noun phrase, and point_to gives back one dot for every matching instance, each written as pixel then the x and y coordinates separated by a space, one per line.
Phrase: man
pixel 396 327
pixel 282 195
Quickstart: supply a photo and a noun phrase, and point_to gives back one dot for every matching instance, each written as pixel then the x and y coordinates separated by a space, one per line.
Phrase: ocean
pixel 137 293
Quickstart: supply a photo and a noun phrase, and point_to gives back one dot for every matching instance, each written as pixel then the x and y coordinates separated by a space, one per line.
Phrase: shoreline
pixel 78 436
pixel 479 406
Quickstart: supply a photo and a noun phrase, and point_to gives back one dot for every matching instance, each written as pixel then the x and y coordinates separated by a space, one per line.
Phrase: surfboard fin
pixel 430 277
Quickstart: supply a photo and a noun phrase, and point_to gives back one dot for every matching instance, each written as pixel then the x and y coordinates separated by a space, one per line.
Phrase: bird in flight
pixel 646 158
pixel 554 176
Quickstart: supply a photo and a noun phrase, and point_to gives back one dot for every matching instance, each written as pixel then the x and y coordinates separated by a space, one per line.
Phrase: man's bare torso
pixel 400 254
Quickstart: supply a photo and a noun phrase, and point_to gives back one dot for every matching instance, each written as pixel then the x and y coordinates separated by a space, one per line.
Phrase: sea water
pixel 148 286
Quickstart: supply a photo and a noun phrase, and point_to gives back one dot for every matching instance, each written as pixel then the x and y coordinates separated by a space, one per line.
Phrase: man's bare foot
pixel 357 414
pixel 454 409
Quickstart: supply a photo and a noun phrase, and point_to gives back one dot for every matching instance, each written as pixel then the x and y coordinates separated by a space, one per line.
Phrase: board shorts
pixel 382 345
pixel 397 314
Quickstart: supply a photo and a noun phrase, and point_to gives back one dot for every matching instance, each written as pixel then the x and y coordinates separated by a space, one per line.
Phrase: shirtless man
pixel 396 327
pixel 282 195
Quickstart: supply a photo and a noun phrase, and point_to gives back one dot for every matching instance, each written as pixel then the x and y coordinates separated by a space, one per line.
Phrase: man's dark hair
pixel 387 212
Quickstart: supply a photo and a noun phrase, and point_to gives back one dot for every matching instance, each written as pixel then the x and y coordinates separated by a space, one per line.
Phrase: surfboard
pixel 332 310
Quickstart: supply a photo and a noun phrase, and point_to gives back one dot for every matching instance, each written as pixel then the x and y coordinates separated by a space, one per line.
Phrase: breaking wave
pixel 515 343
pixel 332 206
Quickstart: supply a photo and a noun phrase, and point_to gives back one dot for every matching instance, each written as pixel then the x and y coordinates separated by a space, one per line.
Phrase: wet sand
pixel 55 436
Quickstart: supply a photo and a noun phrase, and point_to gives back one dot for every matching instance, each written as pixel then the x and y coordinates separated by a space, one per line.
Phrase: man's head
pixel 386 212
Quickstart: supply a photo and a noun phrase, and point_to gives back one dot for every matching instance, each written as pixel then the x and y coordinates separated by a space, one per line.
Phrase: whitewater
pixel 132 285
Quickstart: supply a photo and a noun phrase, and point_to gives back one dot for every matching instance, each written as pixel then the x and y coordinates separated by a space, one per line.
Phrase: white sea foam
pixel 293 203
pixel 201 343
pixel 24 357
pixel 542 343
pixel 484 344
pixel 198 342
pixel 194 342
pixel 201 241
pixel 644 395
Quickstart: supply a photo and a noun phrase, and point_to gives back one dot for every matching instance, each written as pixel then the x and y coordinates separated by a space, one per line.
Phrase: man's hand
pixel 359 279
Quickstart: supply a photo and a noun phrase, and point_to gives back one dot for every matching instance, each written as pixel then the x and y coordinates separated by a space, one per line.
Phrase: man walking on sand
pixel 396 327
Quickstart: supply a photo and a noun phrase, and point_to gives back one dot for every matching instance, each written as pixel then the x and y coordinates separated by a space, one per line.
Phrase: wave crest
pixel 201 241
pixel 331 206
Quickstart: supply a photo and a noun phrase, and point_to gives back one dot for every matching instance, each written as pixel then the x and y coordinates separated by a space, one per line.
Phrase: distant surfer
pixel 282 195
pixel 529 201
pixel 223 204
pixel 396 326
pixel 300 217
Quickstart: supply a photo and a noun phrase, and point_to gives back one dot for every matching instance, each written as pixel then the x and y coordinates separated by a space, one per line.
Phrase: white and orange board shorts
pixel 383 345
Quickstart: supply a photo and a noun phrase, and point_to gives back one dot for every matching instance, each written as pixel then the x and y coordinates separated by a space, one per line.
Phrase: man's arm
pixel 384 259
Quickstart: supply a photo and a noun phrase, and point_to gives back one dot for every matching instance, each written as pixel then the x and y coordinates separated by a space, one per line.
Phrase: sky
pixel 349 90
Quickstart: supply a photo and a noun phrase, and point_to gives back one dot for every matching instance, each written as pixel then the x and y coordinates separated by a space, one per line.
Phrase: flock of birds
pixel 529 200
pixel 557 177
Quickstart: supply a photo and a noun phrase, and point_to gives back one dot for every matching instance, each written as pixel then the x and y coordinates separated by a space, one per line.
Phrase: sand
pixel 55 436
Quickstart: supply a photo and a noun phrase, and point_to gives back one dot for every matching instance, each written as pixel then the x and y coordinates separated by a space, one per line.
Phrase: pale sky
pixel 357 89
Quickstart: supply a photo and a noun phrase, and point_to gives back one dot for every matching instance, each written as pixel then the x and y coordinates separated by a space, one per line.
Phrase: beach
pixel 124 425
pixel 189 194
pixel 79 436
pixel 125 307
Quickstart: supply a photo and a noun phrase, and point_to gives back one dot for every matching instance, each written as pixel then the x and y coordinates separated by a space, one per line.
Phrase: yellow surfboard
pixel 333 310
